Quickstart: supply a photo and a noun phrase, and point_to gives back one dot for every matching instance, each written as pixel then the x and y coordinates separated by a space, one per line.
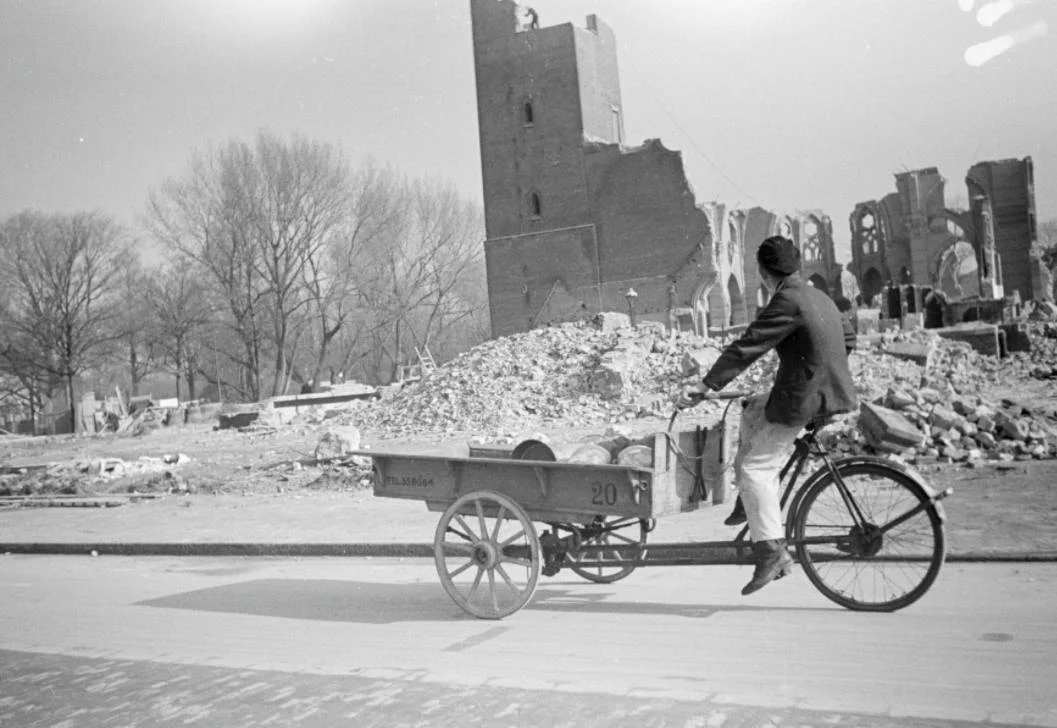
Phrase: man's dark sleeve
pixel 779 319
pixel 850 337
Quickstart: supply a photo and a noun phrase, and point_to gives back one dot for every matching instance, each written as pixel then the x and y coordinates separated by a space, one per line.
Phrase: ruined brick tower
pixel 540 93
pixel 575 219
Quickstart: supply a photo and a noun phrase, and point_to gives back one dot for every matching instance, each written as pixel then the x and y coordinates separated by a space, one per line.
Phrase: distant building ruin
pixel 575 219
pixel 911 243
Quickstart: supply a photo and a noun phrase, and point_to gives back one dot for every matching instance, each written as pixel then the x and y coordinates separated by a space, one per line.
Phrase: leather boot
pixel 772 562
pixel 737 516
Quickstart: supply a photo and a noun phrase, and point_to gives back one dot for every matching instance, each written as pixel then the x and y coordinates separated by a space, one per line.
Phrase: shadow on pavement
pixel 328 600
pixel 555 600
pixel 333 600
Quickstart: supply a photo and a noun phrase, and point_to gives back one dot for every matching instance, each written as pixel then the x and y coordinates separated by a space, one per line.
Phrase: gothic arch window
pixel 528 114
pixel 812 250
pixel 868 233
pixel 535 205
pixel 785 228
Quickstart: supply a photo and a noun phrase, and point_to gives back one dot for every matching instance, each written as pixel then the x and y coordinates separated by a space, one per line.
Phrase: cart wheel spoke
pixel 498 523
pixel 466 529
pixel 461 549
pixel 464 567
pixel 479 507
pixel 506 578
pixel 512 539
pixel 605 567
pixel 482 594
pixel 491 590
pixel 476 583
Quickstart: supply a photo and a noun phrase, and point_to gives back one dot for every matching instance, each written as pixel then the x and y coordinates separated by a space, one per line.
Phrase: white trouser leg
pixel 763 449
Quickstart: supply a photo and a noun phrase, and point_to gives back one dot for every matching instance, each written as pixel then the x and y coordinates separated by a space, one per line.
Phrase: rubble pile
pixel 79 477
pixel 575 374
pixel 1041 361
pixel 591 373
pixel 924 392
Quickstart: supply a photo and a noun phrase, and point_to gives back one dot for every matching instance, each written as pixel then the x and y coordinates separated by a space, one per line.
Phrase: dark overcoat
pixel 812 340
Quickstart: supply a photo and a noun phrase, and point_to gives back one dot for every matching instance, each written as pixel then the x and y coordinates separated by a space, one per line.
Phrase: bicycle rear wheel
pixel 869 566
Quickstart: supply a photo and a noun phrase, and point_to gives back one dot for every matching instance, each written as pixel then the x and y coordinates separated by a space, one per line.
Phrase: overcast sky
pixel 789 104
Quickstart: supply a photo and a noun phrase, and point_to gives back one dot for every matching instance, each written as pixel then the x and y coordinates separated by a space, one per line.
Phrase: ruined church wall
pixel 1009 184
pixel 648 224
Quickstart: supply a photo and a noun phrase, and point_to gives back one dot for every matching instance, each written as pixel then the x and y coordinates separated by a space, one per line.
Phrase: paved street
pixel 124 641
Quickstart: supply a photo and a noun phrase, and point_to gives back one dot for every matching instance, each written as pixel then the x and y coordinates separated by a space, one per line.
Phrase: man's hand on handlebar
pixel 693 394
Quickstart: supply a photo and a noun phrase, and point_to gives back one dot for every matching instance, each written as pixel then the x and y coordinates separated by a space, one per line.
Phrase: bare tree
pixel 334 280
pixel 418 275
pixel 61 277
pixel 179 308
pixel 252 218
pixel 136 326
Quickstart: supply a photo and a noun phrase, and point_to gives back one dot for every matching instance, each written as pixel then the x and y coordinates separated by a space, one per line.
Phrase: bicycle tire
pixel 859 563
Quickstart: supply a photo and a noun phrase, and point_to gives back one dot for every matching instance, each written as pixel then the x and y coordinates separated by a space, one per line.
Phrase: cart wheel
pixel 488 569
pixel 605 568
pixel 866 567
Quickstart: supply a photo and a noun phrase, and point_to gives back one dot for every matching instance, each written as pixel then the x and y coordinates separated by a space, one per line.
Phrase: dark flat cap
pixel 779 256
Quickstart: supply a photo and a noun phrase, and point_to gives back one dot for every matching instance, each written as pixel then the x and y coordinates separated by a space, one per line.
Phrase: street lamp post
pixel 630 296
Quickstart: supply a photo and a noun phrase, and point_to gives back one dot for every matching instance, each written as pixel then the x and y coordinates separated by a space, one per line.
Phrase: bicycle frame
pixel 804 447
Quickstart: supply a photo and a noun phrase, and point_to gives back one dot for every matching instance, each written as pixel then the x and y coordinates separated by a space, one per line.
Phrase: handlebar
pixel 731 395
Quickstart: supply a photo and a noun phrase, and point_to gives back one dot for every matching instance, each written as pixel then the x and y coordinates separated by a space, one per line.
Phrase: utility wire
pixel 700 151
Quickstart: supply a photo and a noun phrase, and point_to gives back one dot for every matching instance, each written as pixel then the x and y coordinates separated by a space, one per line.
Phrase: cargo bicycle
pixel 867 531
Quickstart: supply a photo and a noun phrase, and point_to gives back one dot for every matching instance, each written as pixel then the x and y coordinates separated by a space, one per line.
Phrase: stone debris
pixel 590 373
pixel 571 375
pixel 80 477
pixel 920 394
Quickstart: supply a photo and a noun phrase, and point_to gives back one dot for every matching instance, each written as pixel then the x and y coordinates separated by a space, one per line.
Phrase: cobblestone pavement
pixel 55 691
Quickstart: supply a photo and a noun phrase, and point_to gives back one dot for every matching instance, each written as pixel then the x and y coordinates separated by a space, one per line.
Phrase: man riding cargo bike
pixel 813 383
pixel 868 532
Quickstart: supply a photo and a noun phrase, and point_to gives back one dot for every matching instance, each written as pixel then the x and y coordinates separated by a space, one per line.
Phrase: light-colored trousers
pixel 763 449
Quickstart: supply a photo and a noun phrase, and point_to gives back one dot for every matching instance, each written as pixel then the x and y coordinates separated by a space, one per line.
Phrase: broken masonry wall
pixel 648 223
pixel 923 196
pixel 1009 185
pixel 524 269
pixel 599 82
pixel 869 244
pixel 816 250
pixel 759 224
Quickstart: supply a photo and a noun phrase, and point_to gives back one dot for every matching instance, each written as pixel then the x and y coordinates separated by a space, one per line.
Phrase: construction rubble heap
pixel 920 391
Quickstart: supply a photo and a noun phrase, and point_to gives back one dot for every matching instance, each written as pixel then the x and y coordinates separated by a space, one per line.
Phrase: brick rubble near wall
pixel 578 375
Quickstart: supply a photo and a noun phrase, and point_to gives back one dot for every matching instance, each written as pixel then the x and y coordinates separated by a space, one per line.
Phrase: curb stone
pixel 412 550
